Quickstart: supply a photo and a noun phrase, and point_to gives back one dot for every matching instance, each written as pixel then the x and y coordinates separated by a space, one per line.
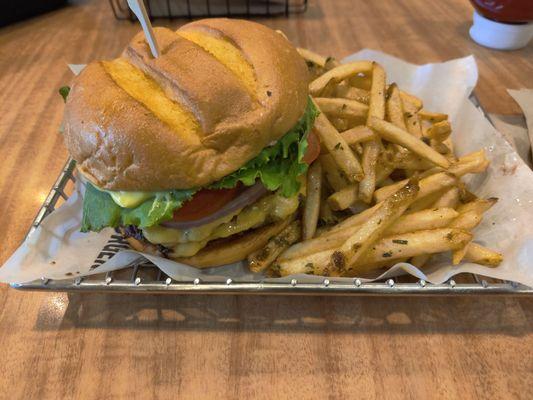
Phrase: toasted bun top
pixel 221 91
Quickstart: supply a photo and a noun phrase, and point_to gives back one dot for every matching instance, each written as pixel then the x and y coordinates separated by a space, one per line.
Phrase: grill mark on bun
pixel 227 54
pixel 146 91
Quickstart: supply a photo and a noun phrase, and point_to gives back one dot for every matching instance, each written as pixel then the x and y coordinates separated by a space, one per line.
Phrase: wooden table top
pixel 103 346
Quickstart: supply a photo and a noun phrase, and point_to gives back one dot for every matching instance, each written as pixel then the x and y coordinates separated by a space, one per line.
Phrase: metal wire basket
pixel 145 277
pixel 211 8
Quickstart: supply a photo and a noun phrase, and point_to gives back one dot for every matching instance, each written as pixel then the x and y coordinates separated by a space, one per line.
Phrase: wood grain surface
pixel 100 346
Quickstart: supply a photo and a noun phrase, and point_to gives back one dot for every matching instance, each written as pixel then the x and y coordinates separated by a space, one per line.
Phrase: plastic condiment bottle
pixel 502 24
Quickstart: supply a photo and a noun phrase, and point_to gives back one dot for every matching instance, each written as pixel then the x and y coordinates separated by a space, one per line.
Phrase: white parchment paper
pixel 524 98
pixel 57 249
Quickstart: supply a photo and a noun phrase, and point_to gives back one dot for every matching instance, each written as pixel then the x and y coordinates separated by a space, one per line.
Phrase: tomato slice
pixel 205 202
pixel 208 201
pixel 313 148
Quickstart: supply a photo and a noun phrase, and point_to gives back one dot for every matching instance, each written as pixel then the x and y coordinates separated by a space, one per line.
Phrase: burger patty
pixel 219 251
pixel 187 242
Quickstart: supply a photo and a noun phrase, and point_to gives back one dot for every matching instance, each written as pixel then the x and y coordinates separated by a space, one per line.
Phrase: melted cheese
pixel 130 199
pixel 185 243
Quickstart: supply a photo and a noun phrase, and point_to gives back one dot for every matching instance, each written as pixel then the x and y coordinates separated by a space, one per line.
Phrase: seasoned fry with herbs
pixel 393 189
pixel 261 259
pixel 312 201
pixel 335 144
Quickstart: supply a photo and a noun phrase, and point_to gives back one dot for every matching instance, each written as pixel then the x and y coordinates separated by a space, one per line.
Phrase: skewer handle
pixel 138 8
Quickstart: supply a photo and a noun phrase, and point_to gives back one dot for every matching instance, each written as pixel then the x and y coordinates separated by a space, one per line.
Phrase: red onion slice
pixel 249 196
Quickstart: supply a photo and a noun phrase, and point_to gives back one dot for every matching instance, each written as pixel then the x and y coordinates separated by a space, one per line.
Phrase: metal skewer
pixel 138 8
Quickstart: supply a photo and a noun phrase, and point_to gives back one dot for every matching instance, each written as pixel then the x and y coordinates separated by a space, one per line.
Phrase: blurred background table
pixel 102 346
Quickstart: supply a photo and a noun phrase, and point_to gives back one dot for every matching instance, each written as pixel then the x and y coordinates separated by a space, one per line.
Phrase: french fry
pixel 458 255
pixel 465 195
pixel 329 240
pixel 326 215
pixel 359 207
pixel 468 220
pixel 261 259
pixel 331 63
pixel 383 192
pixel 324 242
pixel 386 182
pixel 450 156
pixel 344 90
pixel 344 198
pixel 440 131
pixel 429 172
pixel 342 108
pixel 333 175
pixel 476 155
pixel 334 235
pixel 376 106
pixel 371 149
pixel 481 255
pixel 428 185
pixel 426 201
pixel 450 199
pixel 394 113
pixel 423 220
pixel 355 219
pixel 435 183
pixel 341 124
pixel 431 116
pixel 396 135
pixel 329 89
pixel 409 161
pixel 415 102
pixel 412 120
pixel 357 245
pixel 471 163
pixel 393 107
pixel 313 57
pixel 368 183
pixel 470 167
pixel 339 74
pixel 470 216
pixel 358 134
pixel 479 205
pixel 441 240
pixel 438 146
pixel 312 201
pixel 338 148
pixel 425 125
pixel 361 81
pixel 390 248
pixel 383 172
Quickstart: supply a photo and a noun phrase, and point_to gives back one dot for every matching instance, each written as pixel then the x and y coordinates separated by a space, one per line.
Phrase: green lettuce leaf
pixel 100 211
pixel 277 167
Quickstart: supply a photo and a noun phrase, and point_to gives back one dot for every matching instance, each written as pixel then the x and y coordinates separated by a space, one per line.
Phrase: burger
pixel 196 155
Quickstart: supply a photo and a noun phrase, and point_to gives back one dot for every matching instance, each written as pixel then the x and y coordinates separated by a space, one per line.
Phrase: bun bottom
pixel 221 251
